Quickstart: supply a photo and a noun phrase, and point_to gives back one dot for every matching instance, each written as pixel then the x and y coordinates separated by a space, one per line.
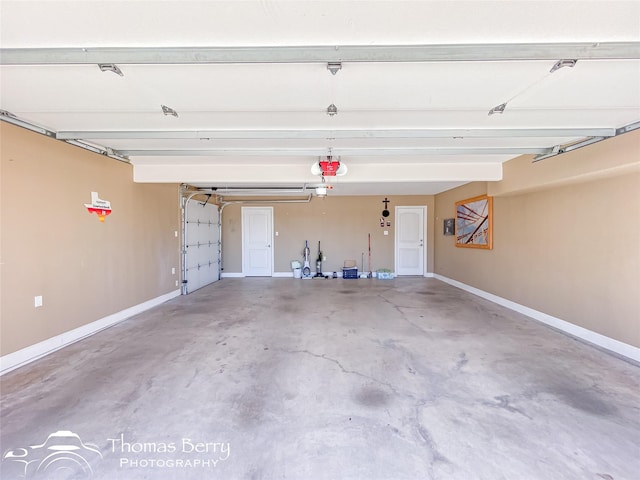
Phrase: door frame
pixel 243 211
pixel 424 241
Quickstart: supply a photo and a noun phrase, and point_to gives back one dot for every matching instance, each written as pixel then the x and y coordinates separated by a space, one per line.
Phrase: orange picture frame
pixel 474 222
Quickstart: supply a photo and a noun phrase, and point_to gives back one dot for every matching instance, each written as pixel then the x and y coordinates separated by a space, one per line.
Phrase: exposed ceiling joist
pixel 267 174
pixel 339 134
pixel 320 54
pixel 560 149
pixel 317 152
pixel 253 96
pixel 14 120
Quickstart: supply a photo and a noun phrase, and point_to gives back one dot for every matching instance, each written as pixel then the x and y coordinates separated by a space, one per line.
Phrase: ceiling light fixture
pixel 567 62
pixel 322 189
pixel 110 67
pixel 169 111
pixel 332 110
pixel 334 67
pixel 498 108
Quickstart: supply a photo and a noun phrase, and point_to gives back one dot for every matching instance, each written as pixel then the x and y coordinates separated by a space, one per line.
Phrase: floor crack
pixel 504 402
pixel 399 308
pixel 351 372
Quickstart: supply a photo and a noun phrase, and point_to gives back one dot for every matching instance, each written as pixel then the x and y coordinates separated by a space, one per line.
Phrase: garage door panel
pixel 202 246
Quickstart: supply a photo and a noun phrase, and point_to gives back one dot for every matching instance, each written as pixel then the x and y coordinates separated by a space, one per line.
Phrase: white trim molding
pixel 273 275
pixel 282 275
pixel 614 346
pixel 34 352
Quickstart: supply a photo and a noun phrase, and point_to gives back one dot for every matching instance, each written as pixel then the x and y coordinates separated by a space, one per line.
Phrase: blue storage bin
pixel 350 272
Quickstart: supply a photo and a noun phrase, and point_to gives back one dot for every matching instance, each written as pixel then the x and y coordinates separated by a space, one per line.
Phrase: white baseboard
pixel 273 275
pixel 17 359
pixel 282 274
pixel 615 346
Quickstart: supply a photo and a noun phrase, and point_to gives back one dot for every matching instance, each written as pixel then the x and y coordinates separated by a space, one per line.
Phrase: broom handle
pixel 369 252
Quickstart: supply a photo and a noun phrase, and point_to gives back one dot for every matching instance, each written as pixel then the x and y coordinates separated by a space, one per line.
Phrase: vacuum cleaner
pixel 319 263
pixel 306 269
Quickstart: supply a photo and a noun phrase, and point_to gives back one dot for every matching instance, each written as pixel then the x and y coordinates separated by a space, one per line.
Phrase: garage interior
pixel 161 169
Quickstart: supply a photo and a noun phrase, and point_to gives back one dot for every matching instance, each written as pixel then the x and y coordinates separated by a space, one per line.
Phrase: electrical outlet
pixel 386 232
pixel 37 301
pixel 176 283
pixel 173 270
pixel 175 233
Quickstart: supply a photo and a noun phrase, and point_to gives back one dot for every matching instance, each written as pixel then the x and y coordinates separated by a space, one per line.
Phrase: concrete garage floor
pixel 327 379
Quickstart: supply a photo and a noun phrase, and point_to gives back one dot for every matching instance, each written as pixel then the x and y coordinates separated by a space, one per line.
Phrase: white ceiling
pixel 249 115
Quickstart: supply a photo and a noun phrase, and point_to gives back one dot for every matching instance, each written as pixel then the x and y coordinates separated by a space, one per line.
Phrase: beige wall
pixel 571 251
pixel 341 224
pixel 565 243
pixel 51 246
pixel 616 156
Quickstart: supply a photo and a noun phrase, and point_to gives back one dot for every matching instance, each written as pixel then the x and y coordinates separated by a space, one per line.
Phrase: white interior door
pixel 410 241
pixel 257 241
pixel 201 245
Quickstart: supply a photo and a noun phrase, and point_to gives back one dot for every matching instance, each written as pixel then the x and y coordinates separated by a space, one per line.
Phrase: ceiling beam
pixel 560 149
pixel 336 134
pixel 321 54
pixel 318 152
pixel 11 118
pixel 265 174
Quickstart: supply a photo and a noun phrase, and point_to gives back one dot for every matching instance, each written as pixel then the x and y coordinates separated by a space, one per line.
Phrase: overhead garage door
pixel 202 245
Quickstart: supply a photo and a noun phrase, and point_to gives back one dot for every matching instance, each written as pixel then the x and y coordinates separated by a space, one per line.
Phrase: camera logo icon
pixel 62 455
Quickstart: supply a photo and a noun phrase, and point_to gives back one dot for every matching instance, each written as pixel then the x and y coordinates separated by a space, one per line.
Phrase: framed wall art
pixel 474 222
pixel 449 226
